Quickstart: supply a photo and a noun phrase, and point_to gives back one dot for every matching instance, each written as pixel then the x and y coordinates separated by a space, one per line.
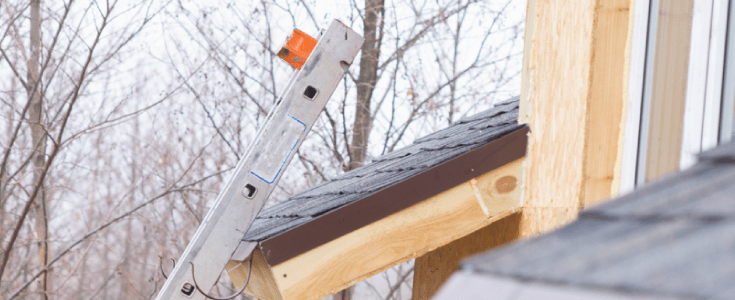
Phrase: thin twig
pixel 111 222
pixel 397 286
pixel 14 137
pixel 38 185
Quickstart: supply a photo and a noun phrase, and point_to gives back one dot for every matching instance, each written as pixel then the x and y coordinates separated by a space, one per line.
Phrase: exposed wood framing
pixel 571 98
pixel 261 281
pixel 402 236
pixel 432 269
pixel 394 198
pixel 572 95
pixel 605 99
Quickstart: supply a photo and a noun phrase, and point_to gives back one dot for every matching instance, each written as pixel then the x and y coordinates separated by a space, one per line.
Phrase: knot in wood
pixel 506 184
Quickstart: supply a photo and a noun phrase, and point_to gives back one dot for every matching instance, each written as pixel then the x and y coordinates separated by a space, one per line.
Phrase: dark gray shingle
pixel 674 238
pixel 441 146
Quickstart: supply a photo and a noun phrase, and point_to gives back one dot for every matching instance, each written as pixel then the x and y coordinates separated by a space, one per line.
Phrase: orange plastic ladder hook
pixel 297 49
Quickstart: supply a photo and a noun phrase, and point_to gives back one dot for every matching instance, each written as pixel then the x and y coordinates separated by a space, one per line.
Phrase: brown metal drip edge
pixel 392 199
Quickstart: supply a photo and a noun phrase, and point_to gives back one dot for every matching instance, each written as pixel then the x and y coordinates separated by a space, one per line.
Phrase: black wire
pixel 250 269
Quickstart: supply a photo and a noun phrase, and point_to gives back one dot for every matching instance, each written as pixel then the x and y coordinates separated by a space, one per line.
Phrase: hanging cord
pixel 160 265
pixel 250 269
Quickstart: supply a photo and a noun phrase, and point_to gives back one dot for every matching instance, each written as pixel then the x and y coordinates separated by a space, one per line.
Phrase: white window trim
pixel 704 79
pixel 707 118
pixel 633 105
pixel 728 91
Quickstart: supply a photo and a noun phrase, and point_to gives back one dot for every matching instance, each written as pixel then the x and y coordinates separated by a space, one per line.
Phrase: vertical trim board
pixel 574 106
pixel 696 86
pixel 635 65
pixel 556 107
pixel 728 91
pixel 714 100
pixel 668 87
pixel 605 99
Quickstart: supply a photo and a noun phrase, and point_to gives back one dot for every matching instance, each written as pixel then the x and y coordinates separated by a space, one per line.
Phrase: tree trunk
pixel 3 184
pixel 345 294
pixel 38 136
pixel 369 57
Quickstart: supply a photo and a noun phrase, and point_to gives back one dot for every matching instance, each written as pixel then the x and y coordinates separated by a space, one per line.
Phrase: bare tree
pixel 373 22
pixel 38 140
pixel 74 58
pixel 423 65
pixel 121 120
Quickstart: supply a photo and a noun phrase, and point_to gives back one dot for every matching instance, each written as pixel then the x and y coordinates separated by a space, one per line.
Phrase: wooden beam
pixel 402 236
pixel 261 281
pixel 606 98
pixel 571 98
pixel 432 269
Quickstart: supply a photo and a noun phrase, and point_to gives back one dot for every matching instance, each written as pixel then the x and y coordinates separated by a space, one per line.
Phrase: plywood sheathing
pixel 571 98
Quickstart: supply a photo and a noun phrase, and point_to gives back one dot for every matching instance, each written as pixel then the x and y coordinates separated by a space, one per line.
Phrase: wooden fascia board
pixel 399 237
pixel 395 198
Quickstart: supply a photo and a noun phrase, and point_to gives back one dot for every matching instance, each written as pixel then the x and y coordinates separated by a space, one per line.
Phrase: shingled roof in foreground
pixel 497 126
pixel 672 239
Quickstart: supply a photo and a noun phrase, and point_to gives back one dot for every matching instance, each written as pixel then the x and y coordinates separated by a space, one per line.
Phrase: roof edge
pixel 397 197
pixel 476 286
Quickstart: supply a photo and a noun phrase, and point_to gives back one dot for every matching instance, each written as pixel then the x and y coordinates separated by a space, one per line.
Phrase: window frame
pixel 708 103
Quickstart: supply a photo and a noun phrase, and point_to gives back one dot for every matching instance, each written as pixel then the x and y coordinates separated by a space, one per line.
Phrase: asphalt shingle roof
pixel 671 239
pixel 390 169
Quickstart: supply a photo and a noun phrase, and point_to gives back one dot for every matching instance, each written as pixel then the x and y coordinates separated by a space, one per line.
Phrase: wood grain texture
pixel 559 80
pixel 605 99
pixel 671 239
pixel 538 220
pixel 397 238
pixel 261 285
pixel 453 146
pixel 668 91
pixel 526 71
pixel 573 106
pixel 432 269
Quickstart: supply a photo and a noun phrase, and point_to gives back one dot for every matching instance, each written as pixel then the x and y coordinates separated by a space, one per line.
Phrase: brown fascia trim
pixel 348 218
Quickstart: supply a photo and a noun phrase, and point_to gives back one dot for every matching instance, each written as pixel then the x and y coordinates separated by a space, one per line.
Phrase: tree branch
pixel 38 185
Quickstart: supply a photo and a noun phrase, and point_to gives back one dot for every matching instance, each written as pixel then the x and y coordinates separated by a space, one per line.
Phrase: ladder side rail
pixel 284 130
